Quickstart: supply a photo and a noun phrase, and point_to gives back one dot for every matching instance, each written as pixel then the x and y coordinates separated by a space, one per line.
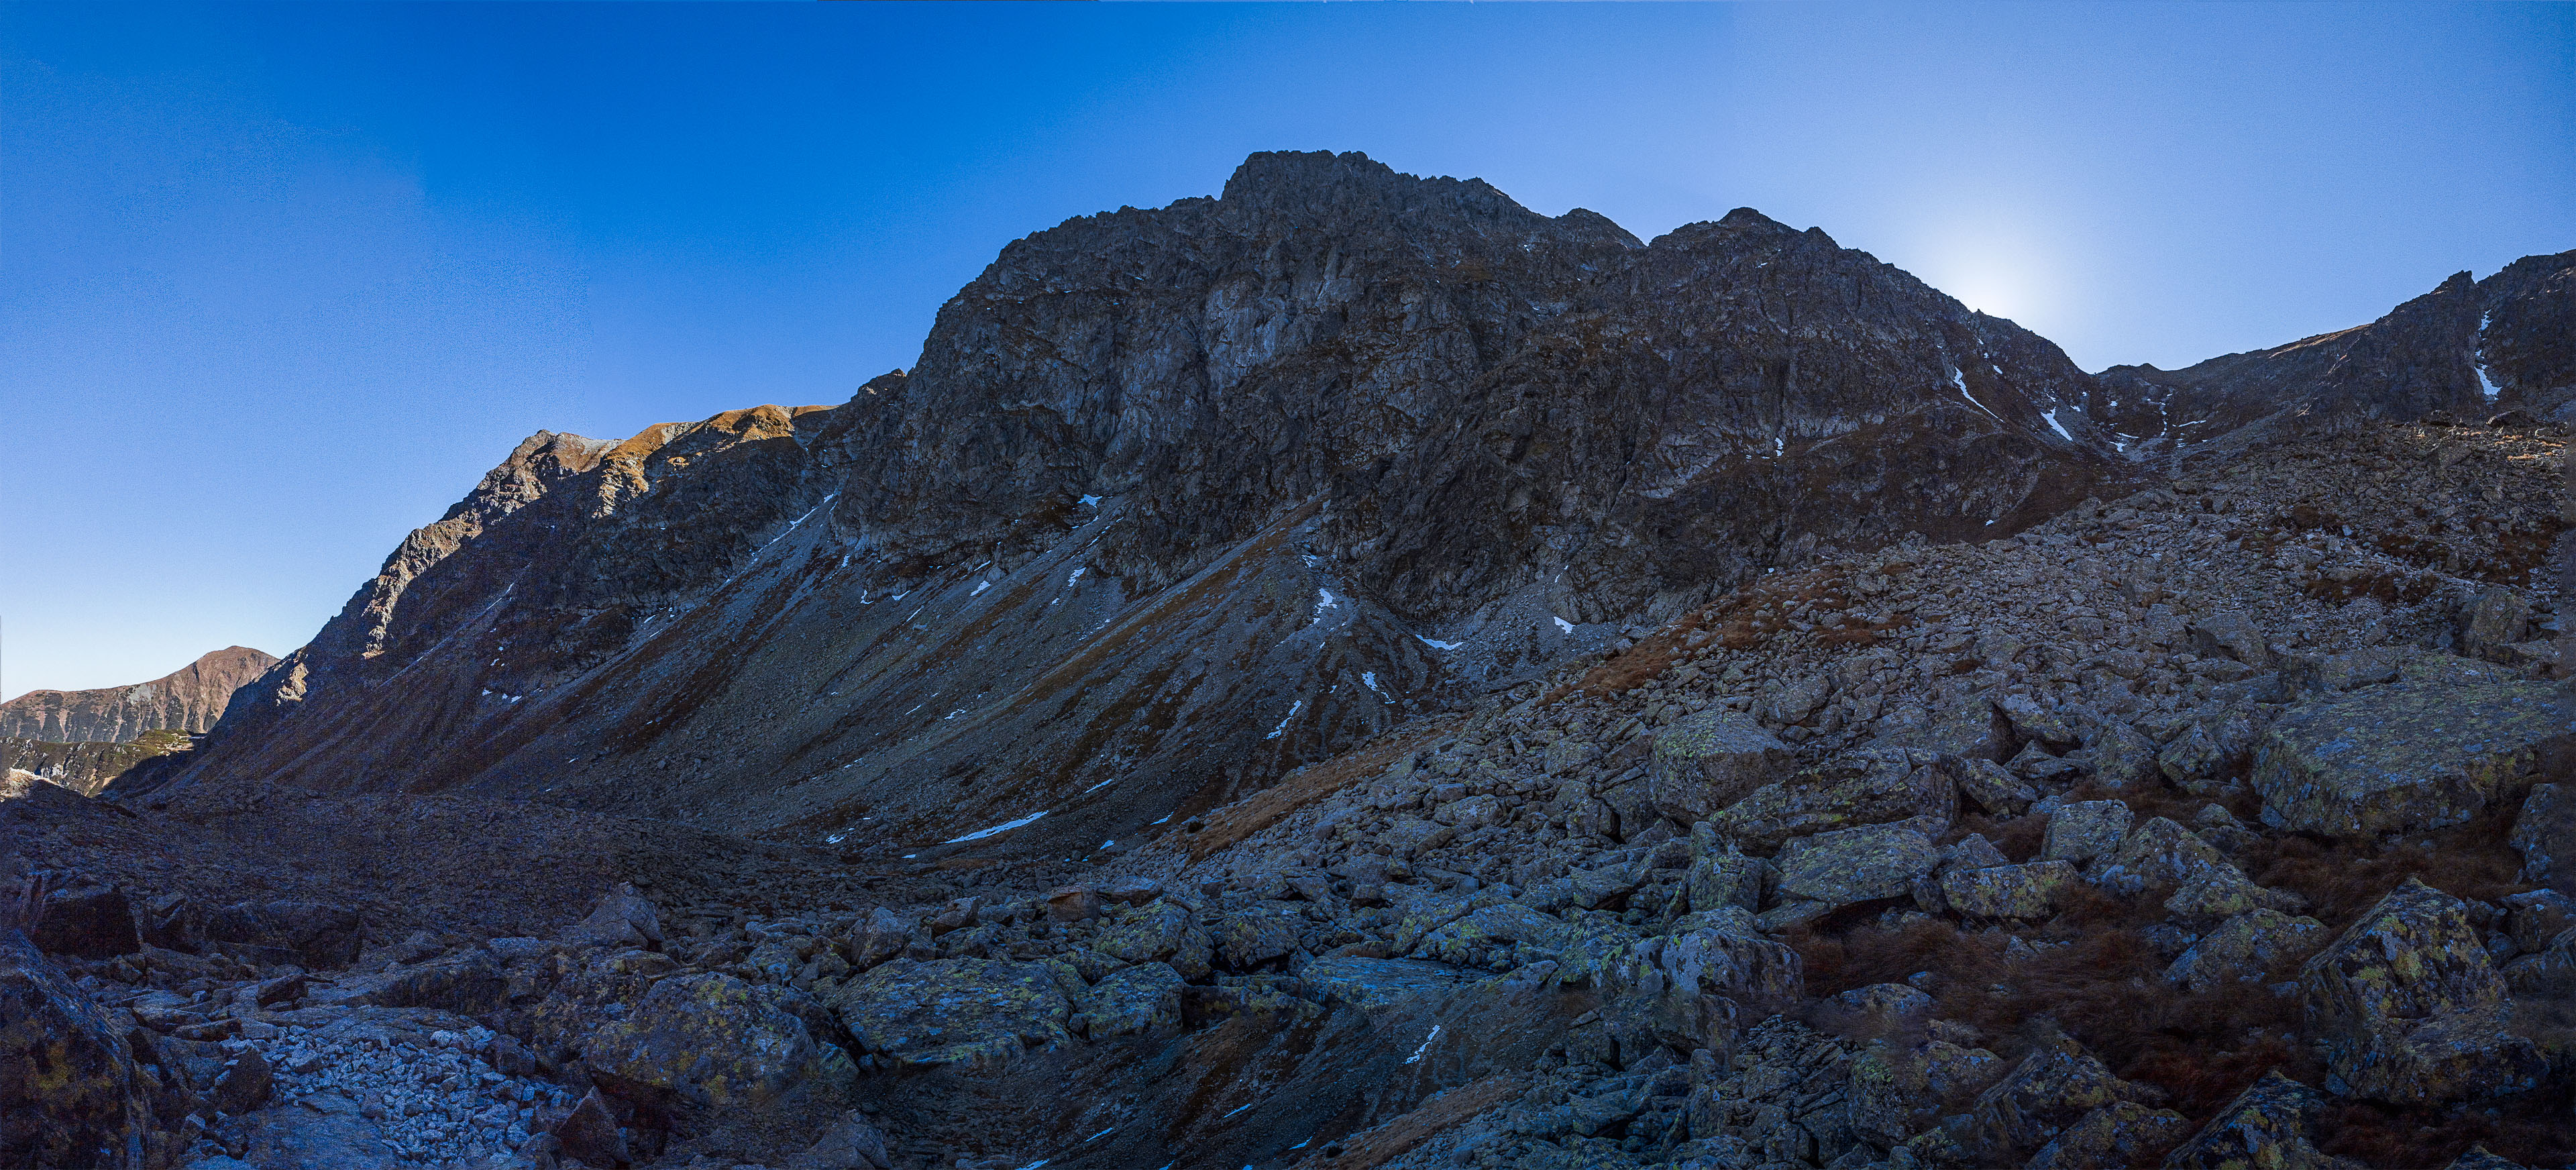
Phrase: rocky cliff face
pixel 1175 500
pixel 188 699
pixel 2467 348
pixel 86 768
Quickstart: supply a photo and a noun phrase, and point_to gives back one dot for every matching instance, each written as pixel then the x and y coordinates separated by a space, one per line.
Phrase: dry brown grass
pixel 1252 814
pixel 2341 879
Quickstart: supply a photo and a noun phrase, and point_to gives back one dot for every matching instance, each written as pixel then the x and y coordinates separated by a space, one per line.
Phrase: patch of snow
pixel 1091 501
pixel 1368 678
pixel 1249 1104
pixel 1167 817
pixel 1324 601
pixel 1438 645
pixel 1004 827
pixel 1562 624
pixel 1960 380
pixel 1097 787
pixel 2051 415
pixel 1779 446
pixel 1106 844
pixel 835 838
pixel 980 587
pixel 1416 1058
pixel 1282 729
pixel 1077 575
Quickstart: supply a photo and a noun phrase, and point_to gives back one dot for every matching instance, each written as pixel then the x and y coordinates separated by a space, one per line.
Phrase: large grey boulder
pixel 973 1012
pixel 1855 865
pixel 1709 760
pixel 80 1085
pixel 2544 832
pixel 2410 1008
pixel 712 1040
pixel 2079 831
pixel 2243 949
pixel 1867 787
pixel 2413 755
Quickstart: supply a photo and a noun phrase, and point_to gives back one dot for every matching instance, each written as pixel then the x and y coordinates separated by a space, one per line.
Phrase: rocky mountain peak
pixel 188 699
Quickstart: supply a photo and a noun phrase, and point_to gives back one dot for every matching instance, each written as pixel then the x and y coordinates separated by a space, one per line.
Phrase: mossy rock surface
pixel 713 1041
pixel 2413 755
pixel 975 1012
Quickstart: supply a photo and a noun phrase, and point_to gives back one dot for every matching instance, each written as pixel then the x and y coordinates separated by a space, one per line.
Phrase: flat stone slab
pixel 2410 756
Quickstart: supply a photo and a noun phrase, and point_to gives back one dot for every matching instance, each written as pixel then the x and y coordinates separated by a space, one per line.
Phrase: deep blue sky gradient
pixel 277 284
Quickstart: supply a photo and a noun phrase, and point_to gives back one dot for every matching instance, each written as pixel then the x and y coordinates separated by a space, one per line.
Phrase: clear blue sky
pixel 277 284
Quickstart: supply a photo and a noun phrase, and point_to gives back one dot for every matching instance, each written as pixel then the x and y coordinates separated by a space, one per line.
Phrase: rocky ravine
pixel 2197 811
pixel 189 700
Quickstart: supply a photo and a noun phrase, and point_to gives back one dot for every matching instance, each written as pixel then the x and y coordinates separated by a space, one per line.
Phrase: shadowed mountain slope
pixel 1174 501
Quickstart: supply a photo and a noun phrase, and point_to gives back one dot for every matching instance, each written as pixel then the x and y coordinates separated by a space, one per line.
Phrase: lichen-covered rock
pixel 1722 875
pixel 1266 931
pixel 308 934
pixel 2243 949
pixel 2163 853
pixel 1855 865
pixel 2008 891
pixel 1144 998
pixel 1869 787
pixel 2112 1137
pixel 79 1084
pixel 712 1040
pixel 1993 788
pixel 2411 1010
pixel 2269 1126
pixel 1160 931
pixel 2122 758
pixel 2544 832
pixel 1709 760
pixel 2493 623
pixel 2051 1089
pixel 973 1012
pixel 2414 755
pixel 2082 830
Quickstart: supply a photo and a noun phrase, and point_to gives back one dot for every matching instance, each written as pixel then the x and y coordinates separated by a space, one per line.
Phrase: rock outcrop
pixel 189 699
pixel 88 768
pixel 2467 350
